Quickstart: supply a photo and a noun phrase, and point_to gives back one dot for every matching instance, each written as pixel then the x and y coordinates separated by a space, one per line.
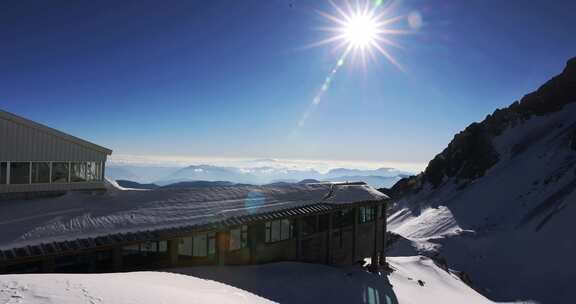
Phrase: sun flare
pixel 360 31
pixel 363 29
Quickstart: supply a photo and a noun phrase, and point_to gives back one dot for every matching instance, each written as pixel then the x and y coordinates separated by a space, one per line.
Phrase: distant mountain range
pixel 162 176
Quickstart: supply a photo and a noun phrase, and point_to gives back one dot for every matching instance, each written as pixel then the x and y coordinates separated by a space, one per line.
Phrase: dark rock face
pixel 467 156
pixel 470 153
pixel 573 140
pixel 135 185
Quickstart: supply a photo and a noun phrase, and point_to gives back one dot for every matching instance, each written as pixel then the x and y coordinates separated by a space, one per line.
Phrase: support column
pixel 375 257
pixel 221 247
pixel 253 241
pixel 298 222
pixel 173 252
pixel 48 265
pixel 329 239
pixel 355 235
pixel 117 258
pixel 384 231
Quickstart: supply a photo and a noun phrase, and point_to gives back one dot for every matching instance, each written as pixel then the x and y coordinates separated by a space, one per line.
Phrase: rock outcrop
pixel 471 153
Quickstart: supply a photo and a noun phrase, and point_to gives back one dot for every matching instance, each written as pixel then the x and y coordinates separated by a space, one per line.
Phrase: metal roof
pixel 61 135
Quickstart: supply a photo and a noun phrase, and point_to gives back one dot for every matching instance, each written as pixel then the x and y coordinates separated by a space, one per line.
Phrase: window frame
pixel 4 172
pixel 269 233
pixel 29 172
pixel 367 214
pixel 52 171
pixel 83 167
pixel 243 238
pixel 209 244
pixel 32 169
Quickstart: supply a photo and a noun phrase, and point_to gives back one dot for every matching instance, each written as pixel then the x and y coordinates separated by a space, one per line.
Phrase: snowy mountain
pixel 499 202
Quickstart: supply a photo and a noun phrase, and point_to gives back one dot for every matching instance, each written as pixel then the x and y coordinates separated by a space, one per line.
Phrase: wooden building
pixel 35 158
pixel 336 224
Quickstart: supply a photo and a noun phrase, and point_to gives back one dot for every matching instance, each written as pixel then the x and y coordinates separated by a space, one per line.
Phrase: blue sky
pixel 233 78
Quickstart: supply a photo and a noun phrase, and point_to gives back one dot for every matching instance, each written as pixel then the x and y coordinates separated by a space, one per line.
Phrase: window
pixel 19 173
pixel 93 171
pixel 185 246
pixel 279 230
pixel 40 173
pixel 3 173
pixel 147 248
pixel 78 172
pixel 343 218
pixel 200 245
pixel 366 214
pixel 239 238
pixel 60 172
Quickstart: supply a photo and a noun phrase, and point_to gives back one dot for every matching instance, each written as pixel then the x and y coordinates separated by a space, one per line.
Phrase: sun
pixel 363 29
pixel 360 30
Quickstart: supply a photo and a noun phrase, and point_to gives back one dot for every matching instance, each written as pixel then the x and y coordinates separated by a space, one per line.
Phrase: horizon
pixel 319 165
pixel 208 82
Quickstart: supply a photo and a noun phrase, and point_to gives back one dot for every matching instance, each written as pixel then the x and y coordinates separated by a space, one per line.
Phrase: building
pixel 329 223
pixel 35 158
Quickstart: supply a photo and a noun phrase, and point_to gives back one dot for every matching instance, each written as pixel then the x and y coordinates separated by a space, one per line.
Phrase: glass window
pixel 204 244
pixel 185 246
pixel 130 249
pixel 286 230
pixel 3 172
pixel 60 172
pixel 146 248
pixel 238 238
pixel 343 218
pixel 149 247
pixel 163 246
pixel 278 230
pixel 93 171
pixel 200 248
pixel 40 173
pixel 78 172
pixel 19 173
pixel 211 243
pixel 366 214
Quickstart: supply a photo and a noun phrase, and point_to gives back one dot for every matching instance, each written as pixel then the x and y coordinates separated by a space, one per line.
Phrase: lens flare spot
pixel 415 20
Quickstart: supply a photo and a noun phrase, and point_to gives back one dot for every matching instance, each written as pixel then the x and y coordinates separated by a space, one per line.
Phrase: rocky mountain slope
pixel 499 202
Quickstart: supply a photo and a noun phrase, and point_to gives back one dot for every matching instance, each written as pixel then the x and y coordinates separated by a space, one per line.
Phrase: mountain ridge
pixel 498 202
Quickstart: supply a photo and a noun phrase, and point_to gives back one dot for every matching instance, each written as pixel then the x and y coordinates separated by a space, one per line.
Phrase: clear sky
pixel 233 78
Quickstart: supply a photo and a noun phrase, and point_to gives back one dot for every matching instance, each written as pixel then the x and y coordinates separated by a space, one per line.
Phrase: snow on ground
pixel 118 288
pixel 433 221
pixel 415 280
pixel 290 282
pixel 80 215
pixel 437 285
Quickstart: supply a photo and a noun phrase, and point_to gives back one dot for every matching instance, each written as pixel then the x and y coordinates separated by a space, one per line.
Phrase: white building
pixel 36 158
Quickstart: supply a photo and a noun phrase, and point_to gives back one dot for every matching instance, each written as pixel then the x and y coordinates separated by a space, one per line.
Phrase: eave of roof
pixel 67 137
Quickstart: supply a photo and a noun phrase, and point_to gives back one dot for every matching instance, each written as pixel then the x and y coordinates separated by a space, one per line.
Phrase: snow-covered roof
pixel 80 215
